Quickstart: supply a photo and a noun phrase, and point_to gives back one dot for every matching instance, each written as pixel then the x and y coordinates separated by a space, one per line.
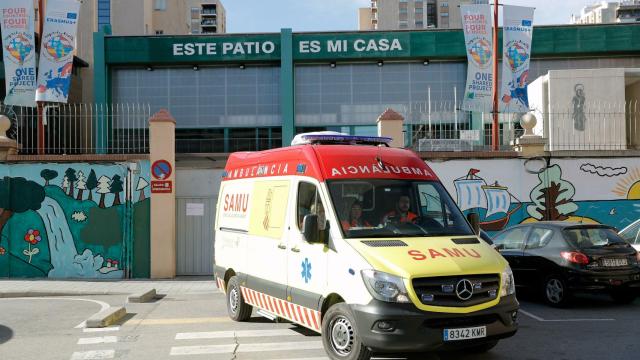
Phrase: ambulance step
pixel 267 315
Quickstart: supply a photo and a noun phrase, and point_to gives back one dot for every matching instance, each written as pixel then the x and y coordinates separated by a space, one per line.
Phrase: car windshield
pixel 396 208
pixel 584 238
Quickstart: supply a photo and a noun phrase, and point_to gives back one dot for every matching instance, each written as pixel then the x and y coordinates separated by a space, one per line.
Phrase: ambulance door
pixel 307 261
pixel 266 258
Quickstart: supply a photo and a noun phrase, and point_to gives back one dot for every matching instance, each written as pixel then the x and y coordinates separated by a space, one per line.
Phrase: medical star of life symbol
pixel 306 270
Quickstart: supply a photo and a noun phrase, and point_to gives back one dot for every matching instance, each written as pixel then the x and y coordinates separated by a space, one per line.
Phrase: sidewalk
pixel 46 287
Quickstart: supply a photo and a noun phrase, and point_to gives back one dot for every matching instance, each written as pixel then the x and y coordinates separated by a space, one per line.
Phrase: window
pixel 444 4
pixel 195 13
pixel 419 24
pixel 539 238
pixel 632 234
pixel 403 10
pixel 309 202
pixel 160 5
pixel 511 239
pixel 403 24
pixel 419 10
pixel 588 237
pixel 159 32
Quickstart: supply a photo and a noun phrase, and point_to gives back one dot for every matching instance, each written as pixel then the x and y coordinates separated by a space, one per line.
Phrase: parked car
pixel 631 234
pixel 559 259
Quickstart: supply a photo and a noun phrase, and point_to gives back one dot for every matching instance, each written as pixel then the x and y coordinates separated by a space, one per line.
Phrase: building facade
pixel 628 12
pixel 412 14
pixel 609 12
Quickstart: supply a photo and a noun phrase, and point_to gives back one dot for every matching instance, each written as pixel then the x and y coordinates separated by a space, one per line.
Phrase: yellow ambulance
pixel 362 243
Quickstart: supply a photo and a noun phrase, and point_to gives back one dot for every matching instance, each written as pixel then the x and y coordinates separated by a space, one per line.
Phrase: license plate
pixel 614 262
pixel 465 333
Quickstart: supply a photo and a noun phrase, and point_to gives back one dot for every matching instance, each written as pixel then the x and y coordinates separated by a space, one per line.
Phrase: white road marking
pixel 98 340
pixel 232 334
pixel 311 358
pixel 245 348
pixel 110 328
pixel 93 355
pixel 559 320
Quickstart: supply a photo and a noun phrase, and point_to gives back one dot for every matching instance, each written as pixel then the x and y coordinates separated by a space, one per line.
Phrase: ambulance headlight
pixel 385 287
pixel 507 284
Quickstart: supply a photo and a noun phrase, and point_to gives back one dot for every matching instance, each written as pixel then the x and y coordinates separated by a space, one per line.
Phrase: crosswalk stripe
pixel 245 348
pixel 232 334
pixel 98 340
pixel 93 355
pixel 111 328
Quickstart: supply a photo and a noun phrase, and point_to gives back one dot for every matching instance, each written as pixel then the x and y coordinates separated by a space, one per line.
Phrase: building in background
pixel 604 12
pixel 412 14
pixel 628 12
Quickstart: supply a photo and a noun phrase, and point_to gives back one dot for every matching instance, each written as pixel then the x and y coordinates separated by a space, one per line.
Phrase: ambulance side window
pixel 307 197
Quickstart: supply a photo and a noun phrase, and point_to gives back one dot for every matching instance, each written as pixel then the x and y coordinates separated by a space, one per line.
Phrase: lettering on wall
pixel 343 46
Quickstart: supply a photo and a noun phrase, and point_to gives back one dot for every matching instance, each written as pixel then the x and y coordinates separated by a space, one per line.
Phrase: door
pixel 194 235
pixel 307 262
pixel 533 262
pixel 510 243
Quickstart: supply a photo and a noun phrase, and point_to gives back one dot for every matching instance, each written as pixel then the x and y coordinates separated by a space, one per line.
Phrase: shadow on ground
pixel 5 334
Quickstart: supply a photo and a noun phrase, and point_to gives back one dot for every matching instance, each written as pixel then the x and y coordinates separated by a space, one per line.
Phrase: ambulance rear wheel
pixel 236 307
pixel 340 336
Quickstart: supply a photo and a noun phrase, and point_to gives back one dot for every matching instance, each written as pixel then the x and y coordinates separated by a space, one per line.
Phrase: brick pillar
pixel 390 124
pixel 163 205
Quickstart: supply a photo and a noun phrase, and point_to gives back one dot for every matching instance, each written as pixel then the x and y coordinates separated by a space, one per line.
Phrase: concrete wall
pixel 632 97
pixel 74 220
pixel 128 17
pixel 602 190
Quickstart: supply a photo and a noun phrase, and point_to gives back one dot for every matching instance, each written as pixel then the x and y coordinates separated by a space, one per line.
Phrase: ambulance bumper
pixel 392 327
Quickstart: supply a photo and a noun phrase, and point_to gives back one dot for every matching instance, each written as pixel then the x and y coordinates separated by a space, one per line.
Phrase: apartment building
pixel 412 14
pixel 628 12
pixel 597 13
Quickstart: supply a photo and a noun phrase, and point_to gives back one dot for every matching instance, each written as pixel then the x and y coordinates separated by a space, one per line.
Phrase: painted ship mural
pixel 494 203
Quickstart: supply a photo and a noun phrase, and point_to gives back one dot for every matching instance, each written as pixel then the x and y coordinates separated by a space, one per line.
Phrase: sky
pixel 256 16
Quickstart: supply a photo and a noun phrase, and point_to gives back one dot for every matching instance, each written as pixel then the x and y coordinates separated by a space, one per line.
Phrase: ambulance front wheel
pixel 236 307
pixel 340 336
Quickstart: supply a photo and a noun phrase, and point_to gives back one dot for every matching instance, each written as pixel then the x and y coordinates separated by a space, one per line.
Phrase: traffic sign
pixel 161 186
pixel 161 169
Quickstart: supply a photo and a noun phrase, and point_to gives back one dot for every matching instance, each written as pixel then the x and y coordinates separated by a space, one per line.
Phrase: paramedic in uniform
pixel 401 214
pixel 354 218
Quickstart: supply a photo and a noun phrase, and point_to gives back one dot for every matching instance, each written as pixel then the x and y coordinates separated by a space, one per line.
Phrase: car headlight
pixel 385 287
pixel 507 284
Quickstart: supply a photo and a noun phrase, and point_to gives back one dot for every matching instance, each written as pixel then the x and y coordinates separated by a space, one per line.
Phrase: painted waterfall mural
pixel 74 220
pixel 505 192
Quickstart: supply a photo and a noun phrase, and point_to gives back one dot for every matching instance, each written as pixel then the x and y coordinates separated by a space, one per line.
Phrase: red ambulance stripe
pixel 243 292
pixel 280 312
pixel 306 315
pixel 286 308
pixel 254 295
pixel 250 297
pixel 261 299
pixel 315 320
pixel 270 304
pixel 293 311
pixel 300 315
pixel 274 303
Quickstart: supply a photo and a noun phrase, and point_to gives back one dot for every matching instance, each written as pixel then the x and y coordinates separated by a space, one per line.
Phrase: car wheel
pixel 623 296
pixel 555 291
pixel 482 348
pixel 236 307
pixel 340 336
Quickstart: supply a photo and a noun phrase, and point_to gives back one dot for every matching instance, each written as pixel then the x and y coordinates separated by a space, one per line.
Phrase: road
pixel 197 327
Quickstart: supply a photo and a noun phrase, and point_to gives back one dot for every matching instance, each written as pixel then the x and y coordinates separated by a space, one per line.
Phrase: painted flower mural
pixel 33 238
pixel 2 251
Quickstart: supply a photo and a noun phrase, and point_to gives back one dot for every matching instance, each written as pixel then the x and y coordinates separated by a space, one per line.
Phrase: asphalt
pixel 44 287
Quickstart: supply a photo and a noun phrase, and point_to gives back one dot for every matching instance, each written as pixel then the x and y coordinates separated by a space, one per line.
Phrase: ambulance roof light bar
pixel 333 137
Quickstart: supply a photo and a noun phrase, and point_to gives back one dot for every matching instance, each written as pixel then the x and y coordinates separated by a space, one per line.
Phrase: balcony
pixel 209 22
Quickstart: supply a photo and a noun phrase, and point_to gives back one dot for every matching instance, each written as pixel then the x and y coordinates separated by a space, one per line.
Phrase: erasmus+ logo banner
pixel 58 46
pixel 18 49
pixel 517 33
pixel 476 23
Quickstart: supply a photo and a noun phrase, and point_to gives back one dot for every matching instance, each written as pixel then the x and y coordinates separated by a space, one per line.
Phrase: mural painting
pixel 74 220
pixel 605 191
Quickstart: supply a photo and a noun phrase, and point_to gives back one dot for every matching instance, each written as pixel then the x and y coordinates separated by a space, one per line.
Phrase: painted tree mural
pixel 48 175
pixel 18 195
pixel 81 184
pixel 70 174
pixel 92 183
pixel 553 197
pixel 116 189
pixel 65 184
pixel 104 188
pixel 142 184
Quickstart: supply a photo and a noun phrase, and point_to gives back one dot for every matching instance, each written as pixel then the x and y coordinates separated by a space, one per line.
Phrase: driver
pixel 401 214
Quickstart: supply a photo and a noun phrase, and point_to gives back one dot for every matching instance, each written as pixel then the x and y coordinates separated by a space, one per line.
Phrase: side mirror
pixel 310 228
pixel 474 221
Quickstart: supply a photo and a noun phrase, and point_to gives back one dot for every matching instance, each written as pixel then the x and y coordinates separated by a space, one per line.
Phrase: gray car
pixel 559 259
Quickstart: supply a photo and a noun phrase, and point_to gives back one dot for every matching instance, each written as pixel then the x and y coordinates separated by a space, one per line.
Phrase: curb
pixel 39 293
pixel 142 297
pixel 106 317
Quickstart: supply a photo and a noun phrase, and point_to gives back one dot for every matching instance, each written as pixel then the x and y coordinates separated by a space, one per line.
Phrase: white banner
pixel 476 23
pixel 18 49
pixel 58 47
pixel 517 33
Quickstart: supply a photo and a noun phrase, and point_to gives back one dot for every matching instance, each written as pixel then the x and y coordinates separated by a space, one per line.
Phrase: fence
pixel 81 128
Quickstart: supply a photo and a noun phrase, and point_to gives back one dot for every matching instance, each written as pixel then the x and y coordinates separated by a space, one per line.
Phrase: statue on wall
pixel 578 115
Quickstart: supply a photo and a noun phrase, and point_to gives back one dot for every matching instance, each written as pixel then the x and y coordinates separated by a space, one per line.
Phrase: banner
pixel 517 33
pixel 476 23
pixel 58 47
pixel 19 51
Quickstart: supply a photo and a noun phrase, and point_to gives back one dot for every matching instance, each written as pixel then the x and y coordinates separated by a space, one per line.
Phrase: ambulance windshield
pixel 392 208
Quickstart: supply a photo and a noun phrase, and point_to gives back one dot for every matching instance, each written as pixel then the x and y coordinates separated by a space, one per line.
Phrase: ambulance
pixel 360 242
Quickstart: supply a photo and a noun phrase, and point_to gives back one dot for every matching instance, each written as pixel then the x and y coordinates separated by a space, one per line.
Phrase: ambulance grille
pixel 384 243
pixel 441 291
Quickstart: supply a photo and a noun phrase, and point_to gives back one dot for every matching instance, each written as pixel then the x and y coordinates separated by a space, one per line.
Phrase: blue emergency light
pixel 331 137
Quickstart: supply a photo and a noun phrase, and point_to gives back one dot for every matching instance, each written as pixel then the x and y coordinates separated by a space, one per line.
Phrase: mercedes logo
pixel 464 289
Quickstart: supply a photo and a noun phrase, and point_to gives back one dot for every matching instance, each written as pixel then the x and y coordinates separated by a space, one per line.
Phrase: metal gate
pixel 194 235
